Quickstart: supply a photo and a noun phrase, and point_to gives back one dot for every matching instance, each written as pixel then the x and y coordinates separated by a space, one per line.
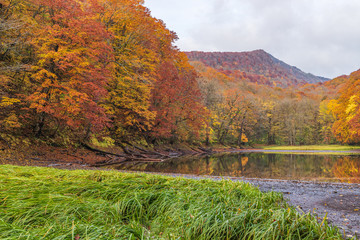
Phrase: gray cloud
pixel 320 37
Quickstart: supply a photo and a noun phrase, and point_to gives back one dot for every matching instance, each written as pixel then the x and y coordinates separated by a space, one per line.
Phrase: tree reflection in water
pixel 348 169
pixel 261 165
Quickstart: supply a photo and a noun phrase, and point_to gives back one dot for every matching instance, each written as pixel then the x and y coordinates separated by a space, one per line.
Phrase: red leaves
pixel 176 99
pixel 71 72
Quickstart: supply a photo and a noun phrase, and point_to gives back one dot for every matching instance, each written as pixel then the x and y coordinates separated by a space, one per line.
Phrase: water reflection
pixel 347 167
pixel 261 165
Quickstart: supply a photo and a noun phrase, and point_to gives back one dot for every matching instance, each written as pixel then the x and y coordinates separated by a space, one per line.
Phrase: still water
pixel 333 168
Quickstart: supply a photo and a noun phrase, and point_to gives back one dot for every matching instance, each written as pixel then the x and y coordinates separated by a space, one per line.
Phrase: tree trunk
pixel 240 136
pixel 207 140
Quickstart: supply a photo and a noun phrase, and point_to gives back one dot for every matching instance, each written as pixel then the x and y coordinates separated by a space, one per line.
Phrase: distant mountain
pixel 255 66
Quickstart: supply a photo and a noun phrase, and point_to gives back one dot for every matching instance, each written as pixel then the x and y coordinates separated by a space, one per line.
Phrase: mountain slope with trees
pixel 255 66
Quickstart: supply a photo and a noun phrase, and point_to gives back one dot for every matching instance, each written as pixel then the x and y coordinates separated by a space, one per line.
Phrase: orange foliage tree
pixel 92 68
pixel 137 42
pixel 177 100
pixel 70 74
pixel 15 60
pixel 347 111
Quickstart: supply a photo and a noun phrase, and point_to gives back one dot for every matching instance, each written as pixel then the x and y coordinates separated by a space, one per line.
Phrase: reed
pixel 45 203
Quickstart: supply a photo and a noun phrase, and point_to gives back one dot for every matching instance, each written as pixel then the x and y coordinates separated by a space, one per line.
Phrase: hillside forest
pixel 74 71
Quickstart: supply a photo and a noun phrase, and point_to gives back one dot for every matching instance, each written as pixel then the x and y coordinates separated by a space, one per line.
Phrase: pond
pixel 313 167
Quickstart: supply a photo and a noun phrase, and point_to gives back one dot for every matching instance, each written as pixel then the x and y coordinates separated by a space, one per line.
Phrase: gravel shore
pixel 338 202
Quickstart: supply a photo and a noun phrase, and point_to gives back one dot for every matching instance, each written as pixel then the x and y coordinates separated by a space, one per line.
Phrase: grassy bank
pixel 337 153
pixel 314 147
pixel 43 203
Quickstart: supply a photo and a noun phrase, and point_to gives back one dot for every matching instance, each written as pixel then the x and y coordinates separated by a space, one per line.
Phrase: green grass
pixel 44 203
pixel 314 147
pixel 337 153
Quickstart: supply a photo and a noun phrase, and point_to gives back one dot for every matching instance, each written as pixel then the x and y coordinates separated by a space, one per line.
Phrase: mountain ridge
pixel 255 66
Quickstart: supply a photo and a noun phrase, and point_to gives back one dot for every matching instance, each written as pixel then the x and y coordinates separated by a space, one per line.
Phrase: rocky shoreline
pixel 338 202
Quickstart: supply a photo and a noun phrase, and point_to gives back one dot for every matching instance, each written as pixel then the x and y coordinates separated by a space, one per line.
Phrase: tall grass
pixel 43 203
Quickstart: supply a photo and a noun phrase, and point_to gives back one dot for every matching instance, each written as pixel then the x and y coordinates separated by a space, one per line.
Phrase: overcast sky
pixel 318 36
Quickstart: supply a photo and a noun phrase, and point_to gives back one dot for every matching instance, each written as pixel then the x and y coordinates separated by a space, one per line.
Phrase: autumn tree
pixel 13 37
pixel 177 100
pixel 16 58
pixel 235 117
pixel 211 84
pixel 268 120
pixel 138 42
pixel 326 121
pixel 347 111
pixel 70 75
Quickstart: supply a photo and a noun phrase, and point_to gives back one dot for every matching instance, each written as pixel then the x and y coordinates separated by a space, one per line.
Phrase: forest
pixel 75 71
